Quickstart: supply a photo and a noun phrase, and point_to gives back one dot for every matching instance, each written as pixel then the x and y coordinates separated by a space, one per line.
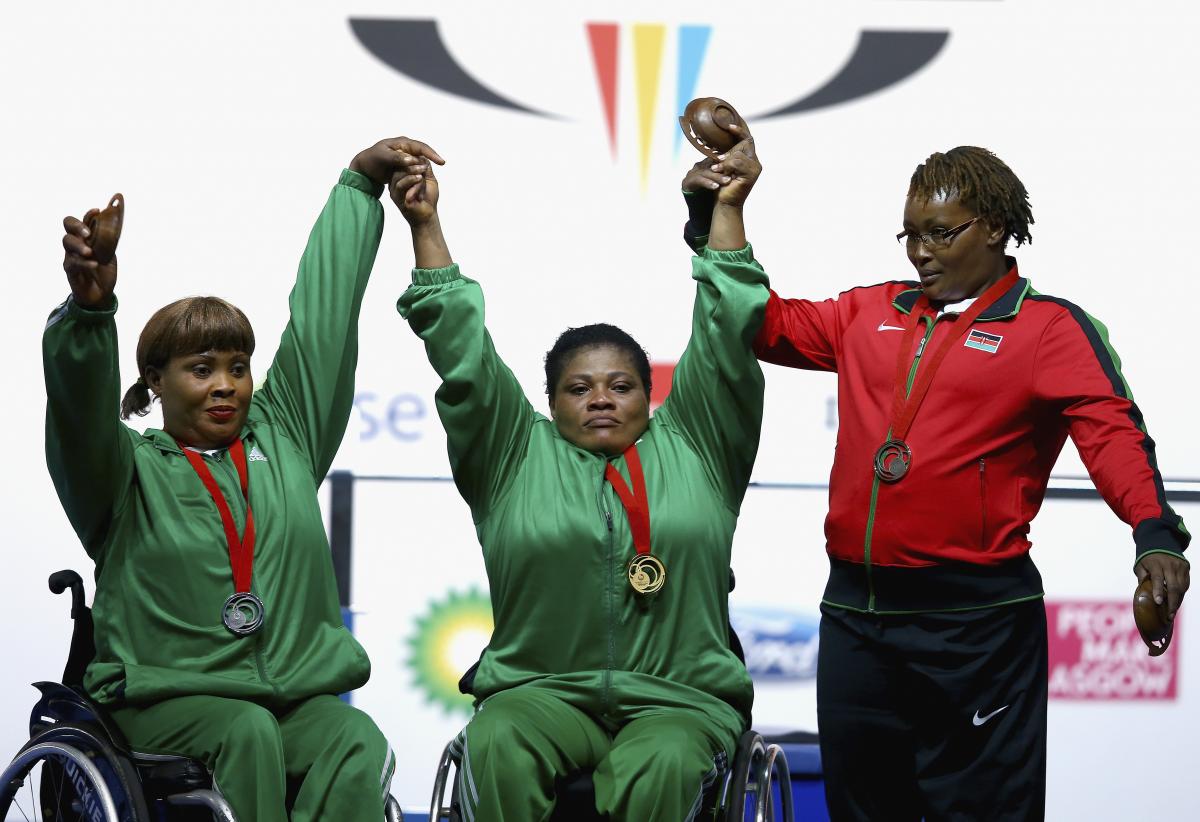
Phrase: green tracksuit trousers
pixel 336 762
pixel 654 767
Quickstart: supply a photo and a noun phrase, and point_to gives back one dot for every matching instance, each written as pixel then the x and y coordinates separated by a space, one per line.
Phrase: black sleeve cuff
pixel 700 207
pixel 1161 535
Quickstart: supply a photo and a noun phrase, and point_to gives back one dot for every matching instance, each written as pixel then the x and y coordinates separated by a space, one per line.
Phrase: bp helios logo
pixel 416 49
pixel 446 641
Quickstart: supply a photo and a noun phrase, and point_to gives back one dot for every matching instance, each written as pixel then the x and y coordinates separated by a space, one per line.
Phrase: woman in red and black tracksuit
pixel 955 396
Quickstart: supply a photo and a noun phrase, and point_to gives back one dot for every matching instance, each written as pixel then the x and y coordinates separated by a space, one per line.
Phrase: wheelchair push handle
pixel 60 581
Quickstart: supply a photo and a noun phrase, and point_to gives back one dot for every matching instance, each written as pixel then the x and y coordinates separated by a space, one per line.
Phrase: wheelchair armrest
pixel 62 580
pixel 162 775
pixel 71 705
pixel 466 683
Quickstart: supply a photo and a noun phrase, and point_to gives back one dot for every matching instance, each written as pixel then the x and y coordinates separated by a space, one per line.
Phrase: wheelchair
pixel 757 767
pixel 77 767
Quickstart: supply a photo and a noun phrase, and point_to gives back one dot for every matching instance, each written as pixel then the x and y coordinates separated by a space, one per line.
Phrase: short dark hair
pixel 982 182
pixel 596 335
pixel 187 326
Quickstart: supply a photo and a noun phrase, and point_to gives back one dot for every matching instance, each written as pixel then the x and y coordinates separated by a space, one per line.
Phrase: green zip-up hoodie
pixel 555 537
pixel 145 518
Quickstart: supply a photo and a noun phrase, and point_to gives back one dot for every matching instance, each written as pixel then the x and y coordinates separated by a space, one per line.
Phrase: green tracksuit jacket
pixel 143 515
pixel 555 537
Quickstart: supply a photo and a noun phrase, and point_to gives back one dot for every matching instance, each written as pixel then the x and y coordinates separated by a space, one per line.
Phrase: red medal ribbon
pixel 904 409
pixel 241 551
pixel 637 504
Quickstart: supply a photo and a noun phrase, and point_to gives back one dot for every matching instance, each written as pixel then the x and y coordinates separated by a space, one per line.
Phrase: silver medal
pixel 243 614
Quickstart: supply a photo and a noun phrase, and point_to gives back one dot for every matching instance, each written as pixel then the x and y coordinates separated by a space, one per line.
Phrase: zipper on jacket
pixel 982 506
pixel 609 594
pixel 917 356
pixel 912 373
pixel 258 664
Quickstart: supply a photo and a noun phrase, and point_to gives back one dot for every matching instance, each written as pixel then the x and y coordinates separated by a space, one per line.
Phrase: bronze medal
pixel 647 574
pixel 894 457
pixel 892 460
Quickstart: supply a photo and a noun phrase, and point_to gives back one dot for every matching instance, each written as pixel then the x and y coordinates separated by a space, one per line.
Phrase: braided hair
pixel 982 182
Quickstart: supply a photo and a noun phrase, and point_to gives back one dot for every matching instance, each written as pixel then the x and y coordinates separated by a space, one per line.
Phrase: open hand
pixel 91 283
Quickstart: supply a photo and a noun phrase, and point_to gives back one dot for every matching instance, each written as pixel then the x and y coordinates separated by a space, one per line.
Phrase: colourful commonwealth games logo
pixel 447 640
pixel 415 48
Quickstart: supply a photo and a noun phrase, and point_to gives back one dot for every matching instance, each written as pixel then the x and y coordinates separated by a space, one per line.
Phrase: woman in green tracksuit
pixel 201 528
pixel 582 670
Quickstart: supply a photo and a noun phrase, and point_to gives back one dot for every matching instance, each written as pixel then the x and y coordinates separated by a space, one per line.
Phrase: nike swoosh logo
pixel 978 720
pixel 883 326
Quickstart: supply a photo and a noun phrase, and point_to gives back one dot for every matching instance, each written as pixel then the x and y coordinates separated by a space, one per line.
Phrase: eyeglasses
pixel 938 238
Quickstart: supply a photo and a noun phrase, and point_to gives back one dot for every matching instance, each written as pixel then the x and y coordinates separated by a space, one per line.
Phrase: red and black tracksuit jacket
pixel 954 533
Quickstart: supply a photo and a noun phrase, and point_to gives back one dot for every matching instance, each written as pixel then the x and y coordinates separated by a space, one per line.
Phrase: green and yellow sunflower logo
pixel 447 641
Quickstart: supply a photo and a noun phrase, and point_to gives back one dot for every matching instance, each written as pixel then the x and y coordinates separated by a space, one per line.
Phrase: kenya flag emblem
pixel 983 342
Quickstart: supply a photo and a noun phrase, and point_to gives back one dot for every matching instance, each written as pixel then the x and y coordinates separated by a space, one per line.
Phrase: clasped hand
pixel 731 177
pixel 405 166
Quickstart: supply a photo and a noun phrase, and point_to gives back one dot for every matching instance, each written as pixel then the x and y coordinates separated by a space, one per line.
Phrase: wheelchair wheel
pixel 70 774
pixel 756 765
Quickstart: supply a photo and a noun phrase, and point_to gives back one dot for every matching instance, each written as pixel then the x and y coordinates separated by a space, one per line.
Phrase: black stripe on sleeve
pixel 1148 534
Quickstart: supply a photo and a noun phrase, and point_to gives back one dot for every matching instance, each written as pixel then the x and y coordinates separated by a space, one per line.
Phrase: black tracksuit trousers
pixel 934 716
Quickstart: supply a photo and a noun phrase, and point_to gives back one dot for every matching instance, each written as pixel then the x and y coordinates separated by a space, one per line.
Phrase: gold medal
pixel 647 574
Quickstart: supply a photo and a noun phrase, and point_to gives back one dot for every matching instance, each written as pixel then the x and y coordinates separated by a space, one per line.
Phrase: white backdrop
pixel 225 125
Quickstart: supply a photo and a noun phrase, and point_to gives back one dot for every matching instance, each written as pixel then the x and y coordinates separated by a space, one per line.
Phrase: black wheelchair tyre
pixel 66 791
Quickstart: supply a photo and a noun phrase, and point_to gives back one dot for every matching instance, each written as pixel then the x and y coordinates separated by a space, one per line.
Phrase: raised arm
pixel 309 389
pixel 739 169
pixel 796 333
pixel 699 187
pixel 485 413
pixel 716 396
pixel 88 450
